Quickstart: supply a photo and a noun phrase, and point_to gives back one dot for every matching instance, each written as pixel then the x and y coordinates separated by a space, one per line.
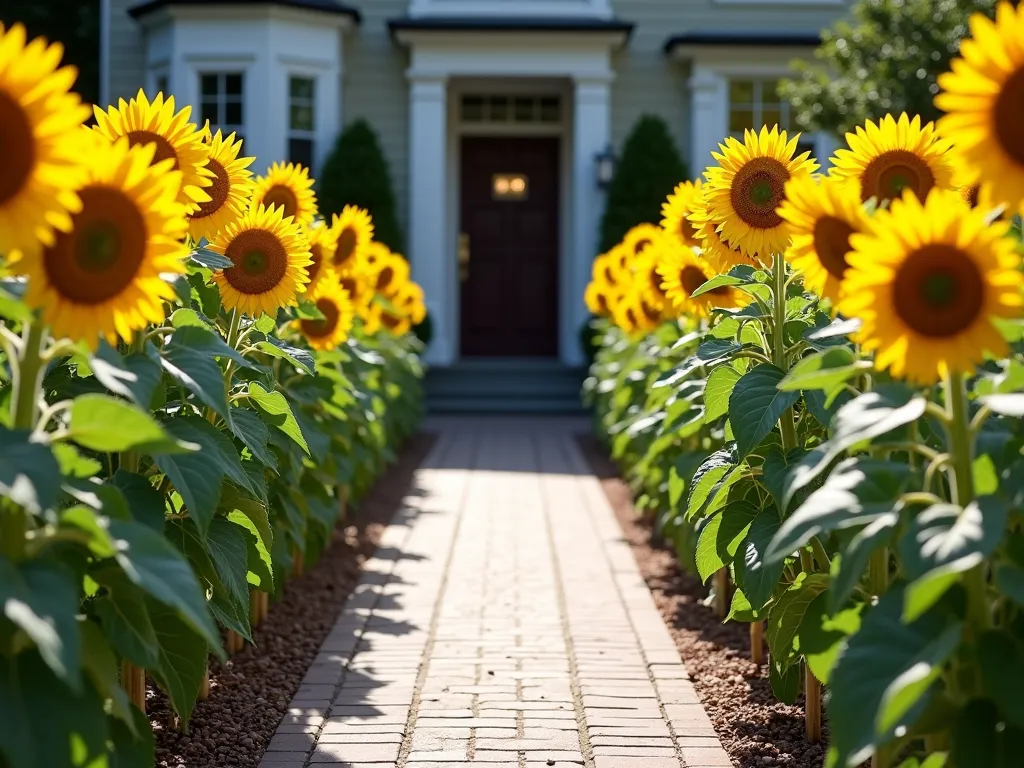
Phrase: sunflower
pixel 354 231
pixel 676 212
pixel 637 239
pixel 270 253
pixel 646 275
pixel 288 188
pixel 927 280
pixel 634 315
pixel 893 155
pixel 174 137
pixel 338 314
pixel 40 142
pixel 230 190
pixel 105 276
pixel 381 315
pixel 746 187
pixel 822 215
pixel 983 98
pixel 409 301
pixel 390 274
pixel 720 254
pixel 683 271
pixel 600 299
pixel 609 271
pixel 321 243
pixel 357 284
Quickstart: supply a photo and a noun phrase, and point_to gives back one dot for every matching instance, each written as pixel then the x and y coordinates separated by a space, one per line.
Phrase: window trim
pixel 303 134
pixel 222 99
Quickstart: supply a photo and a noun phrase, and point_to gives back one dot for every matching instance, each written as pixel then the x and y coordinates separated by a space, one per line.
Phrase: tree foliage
pixel 73 23
pixel 648 171
pixel 357 173
pixel 885 58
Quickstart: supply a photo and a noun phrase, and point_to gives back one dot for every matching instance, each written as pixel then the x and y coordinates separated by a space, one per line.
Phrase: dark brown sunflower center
pixel 971 194
pixel 350 285
pixel 939 291
pixel 894 171
pixel 691 278
pixel 602 304
pixel 347 241
pixel 689 233
pixel 654 277
pixel 218 191
pixel 324 326
pixel 631 317
pixel 1008 116
pixel 280 196
pixel 832 243
pixel 164 150
pixel 17 148
pixel 384 278
pixel 609 275
pixel 260 262
pixel 757 190
pixel 653 314
pixel 390 320
pixel 101 256
pixel 316 254
pixel 640 245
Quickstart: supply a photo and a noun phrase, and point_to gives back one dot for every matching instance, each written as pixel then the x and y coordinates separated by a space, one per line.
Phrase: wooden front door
pixel 509 247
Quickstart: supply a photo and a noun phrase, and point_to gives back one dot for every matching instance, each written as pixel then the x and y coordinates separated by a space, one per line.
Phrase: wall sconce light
pixel 605 167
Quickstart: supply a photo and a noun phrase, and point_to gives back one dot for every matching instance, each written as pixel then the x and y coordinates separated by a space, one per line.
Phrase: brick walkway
pixel 502 622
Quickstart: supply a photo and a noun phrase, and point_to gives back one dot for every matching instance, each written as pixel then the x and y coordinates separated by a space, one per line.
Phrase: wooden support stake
pixel 757 642
pixel 204 691
pixel 264 605
pixel 133 681
pixel 296 563
pixel 812 705
pixel 722 592
pixel 343 500
pixel 234 643
pixel 254 609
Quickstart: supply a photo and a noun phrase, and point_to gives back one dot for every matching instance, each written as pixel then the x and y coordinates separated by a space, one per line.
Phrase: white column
pixel 431 257
pixel 591 135
pixel 709 113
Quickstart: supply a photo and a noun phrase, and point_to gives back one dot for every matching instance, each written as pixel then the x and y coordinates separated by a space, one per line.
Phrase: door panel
pixel 510 291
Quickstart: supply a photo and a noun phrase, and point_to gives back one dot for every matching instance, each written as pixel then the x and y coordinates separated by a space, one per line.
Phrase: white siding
pixel 127 52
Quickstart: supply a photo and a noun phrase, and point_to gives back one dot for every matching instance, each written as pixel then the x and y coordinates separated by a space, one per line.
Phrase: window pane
pixel 208 111
pixel 234 84
pixel 208 85
pixel 472 108
pixel 523 109
pixel 233 113
pixel 771 116
pixel 301 118
pixel 301 88
pixel 550 109
pixel 770 90
pixel 740 120
pixel 301 151
pixel 499 108
pixel 161 84
pixel 805 146
pixel 741 92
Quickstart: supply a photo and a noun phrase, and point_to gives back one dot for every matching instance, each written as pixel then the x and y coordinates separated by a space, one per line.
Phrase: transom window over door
pixel 515 109
pixel 302 121
pixel 754 102
pixel 222 101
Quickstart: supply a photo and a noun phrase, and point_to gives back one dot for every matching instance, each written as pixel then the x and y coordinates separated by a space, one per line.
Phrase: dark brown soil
pixel 250 693
pixel 755 729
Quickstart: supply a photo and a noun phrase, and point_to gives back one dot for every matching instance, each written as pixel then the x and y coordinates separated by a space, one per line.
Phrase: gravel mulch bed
pixel 250 693
pixel 755 729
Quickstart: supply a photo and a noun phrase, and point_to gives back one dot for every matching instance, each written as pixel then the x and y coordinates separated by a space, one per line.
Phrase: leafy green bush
pixel 648 170
pixel 356 173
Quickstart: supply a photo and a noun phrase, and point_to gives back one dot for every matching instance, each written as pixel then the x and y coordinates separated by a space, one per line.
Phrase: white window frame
pixel 311 102
pixel 223 98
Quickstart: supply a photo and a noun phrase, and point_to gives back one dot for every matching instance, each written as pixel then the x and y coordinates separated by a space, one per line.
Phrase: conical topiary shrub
pixel 648 170
pixel 356 173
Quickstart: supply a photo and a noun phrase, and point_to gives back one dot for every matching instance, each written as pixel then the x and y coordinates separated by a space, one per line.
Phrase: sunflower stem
pixel 233 342
pixel 961 451
pixel 28 377
pixel 786 426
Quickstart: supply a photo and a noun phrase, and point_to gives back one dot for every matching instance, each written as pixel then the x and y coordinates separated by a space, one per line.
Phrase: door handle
pixel 464 256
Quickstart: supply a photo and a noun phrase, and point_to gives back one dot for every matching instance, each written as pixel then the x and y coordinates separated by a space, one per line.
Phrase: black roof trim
pixel 508 24
pixel 763 39
pixel 326 6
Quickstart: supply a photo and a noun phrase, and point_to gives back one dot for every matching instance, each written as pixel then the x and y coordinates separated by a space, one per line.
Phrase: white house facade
pixel 492 114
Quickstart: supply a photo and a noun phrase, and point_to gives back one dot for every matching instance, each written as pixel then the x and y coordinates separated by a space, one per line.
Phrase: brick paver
pixel 502 622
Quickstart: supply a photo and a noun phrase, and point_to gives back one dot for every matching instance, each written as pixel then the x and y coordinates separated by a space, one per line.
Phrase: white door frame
pixel 440 63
